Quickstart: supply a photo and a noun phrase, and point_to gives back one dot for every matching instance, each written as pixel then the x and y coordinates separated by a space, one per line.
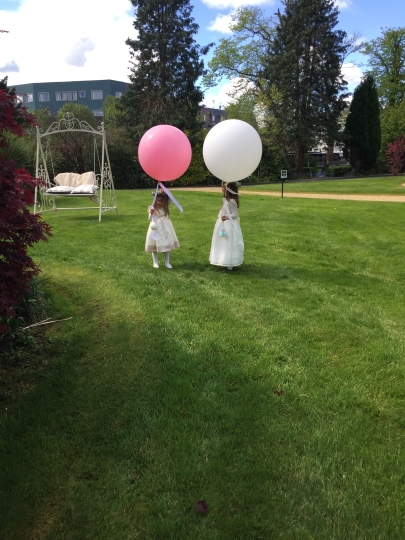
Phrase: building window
pixel 205 117
pixel 43 96
pixel 96 94
pixel 30 98
pixel 66 96
pixel 118 94
pixel 82 93
pixel 98 112
pixel 19 98
pixel 213 117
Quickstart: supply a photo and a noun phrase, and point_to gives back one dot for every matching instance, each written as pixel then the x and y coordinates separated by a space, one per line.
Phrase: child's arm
pixel 233 211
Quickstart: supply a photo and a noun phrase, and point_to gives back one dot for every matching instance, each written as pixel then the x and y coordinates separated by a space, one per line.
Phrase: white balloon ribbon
pixel 171 196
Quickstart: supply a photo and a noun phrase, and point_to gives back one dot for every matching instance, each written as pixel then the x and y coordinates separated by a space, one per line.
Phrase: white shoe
pixel 155 265
pixel 168 265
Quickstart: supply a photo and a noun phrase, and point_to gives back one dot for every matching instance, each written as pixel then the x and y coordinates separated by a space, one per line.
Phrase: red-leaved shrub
pixel 396 156
pixel 19 228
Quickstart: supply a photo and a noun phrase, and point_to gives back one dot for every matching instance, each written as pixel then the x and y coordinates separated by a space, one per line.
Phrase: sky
pixel 55 40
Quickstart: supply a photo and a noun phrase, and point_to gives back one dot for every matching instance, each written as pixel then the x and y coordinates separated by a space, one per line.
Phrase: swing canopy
pixel 97 185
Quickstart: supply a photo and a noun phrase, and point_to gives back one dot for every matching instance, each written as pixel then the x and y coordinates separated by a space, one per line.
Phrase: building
pixel 53 95
pixel 210 116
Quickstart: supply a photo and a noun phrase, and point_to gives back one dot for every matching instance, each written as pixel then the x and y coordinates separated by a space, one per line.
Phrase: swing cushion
pixel 68 179
pixel 60 189
pixel 74 183
pixel 85 188
pixel 87 178
pixel 87 184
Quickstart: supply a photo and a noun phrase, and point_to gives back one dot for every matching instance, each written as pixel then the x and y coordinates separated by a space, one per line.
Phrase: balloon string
pixel 170 196
pixel 156 193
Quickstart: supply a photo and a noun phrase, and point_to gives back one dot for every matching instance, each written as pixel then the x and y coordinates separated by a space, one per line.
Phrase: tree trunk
pixel 299 159
pixel 329 155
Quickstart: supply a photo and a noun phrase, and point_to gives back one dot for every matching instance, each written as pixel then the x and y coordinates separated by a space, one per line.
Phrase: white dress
pixel 227 242
pixel 164 238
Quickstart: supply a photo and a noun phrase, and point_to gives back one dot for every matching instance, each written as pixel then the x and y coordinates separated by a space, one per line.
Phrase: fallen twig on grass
pixel 46 321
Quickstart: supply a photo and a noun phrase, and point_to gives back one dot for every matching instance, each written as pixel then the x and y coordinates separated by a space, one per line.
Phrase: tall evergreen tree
pixel 362 133
pixel 166 64
pixel 304 64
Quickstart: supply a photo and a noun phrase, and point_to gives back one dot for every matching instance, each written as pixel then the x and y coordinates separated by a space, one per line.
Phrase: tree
pixel 362 133
pixel 166 64
pixel 244 107
pixel 72 151
pixel 243 55
pixel 387 65
pixel 113 115
pixel 396 156
pixel 304 64
pixel 19 228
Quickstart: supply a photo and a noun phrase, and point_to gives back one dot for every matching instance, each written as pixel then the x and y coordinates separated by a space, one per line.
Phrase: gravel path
pixel 381 198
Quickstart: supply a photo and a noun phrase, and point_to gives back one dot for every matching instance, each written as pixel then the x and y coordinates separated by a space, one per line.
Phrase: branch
pixel 46 321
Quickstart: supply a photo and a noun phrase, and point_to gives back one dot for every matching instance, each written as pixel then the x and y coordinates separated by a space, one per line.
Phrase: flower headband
pixel 237 184
pixel 159 193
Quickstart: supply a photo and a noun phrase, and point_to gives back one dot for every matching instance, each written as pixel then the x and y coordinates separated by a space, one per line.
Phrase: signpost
pixel 283 177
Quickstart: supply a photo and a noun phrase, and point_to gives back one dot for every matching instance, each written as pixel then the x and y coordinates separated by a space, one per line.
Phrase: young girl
pixel 227 242
pixel 161 237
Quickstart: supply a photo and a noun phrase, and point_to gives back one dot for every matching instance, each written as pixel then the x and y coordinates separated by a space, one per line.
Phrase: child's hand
pixel 224 218
pixel 151 209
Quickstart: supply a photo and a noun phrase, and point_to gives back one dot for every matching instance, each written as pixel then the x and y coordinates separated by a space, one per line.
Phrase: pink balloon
pixel 164 153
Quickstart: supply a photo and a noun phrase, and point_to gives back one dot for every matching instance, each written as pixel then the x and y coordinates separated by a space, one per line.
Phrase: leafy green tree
pixel 197 173
pixel 386 61
pixel 113 114
pixel 304 64
pixel 244 107
pixel 362 133
pixel 166 64
pixel 73 151
pixel 243 55
pixel 392 123
pixel 392 120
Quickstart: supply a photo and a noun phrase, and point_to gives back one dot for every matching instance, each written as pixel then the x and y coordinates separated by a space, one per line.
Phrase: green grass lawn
pixel 388 185
pixel 274 393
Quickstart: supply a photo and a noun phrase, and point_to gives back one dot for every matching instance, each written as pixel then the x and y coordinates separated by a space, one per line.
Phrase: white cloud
pixel 77 56
pixel 51 40
pixel 352 74
pixel 225 4
pixel 343 4
pixel 10 67
pixel 221 24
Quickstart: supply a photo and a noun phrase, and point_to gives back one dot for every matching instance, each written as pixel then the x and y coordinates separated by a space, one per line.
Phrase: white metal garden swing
pixel 98 186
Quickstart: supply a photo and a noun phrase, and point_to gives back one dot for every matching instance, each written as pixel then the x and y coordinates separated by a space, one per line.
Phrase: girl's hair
pixel 233 186
pixel 163 201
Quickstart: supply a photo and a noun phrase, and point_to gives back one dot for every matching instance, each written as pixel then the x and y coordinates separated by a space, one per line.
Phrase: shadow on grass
pixel 140 418
pixel 129 431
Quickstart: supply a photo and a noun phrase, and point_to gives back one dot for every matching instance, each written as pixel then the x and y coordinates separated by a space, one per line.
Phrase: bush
pixel 309 172
pixel 339 170
pixel 19 228
pixel 396 156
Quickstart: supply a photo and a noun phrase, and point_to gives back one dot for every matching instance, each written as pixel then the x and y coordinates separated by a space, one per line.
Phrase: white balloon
pixel 232 150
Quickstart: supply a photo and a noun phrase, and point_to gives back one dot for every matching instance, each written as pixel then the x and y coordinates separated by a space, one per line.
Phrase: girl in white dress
pixel 161 237
pixel 227 242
